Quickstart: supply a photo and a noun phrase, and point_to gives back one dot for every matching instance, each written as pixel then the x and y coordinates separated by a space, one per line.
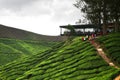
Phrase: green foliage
pixel 112 46
pixel 72 30
pixel 101 12
pixel 11 49
pixel 75 60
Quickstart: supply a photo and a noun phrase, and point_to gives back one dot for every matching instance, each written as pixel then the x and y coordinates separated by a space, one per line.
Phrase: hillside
pixel 73 60
pixel 9 32
pixel 111 45
pixel 12 49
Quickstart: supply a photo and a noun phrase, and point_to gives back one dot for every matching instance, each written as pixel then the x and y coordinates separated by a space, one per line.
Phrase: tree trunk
pixel 104 29
pixel 116 23
pixel 104 18
pixel 99 21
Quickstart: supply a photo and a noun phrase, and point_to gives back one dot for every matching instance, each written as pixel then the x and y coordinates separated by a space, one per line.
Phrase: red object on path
pixel 92 41
pixel 93 36
pixel 82 38
pixel 101 33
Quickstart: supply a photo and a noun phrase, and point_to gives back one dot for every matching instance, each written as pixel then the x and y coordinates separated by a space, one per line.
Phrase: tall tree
pixel 115 13
pixel 101 11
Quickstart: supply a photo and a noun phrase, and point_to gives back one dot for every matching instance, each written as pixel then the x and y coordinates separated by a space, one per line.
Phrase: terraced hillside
pixel 111 44
pixel 9 32
pixel 11 49
pixel 75 60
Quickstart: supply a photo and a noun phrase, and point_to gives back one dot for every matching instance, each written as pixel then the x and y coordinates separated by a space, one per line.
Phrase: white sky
pixel 39 16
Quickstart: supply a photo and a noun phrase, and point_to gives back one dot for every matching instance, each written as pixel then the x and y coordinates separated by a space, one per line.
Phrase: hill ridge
pixel 10 32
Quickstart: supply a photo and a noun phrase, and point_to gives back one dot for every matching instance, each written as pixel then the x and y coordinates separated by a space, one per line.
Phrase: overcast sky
pixel 39 16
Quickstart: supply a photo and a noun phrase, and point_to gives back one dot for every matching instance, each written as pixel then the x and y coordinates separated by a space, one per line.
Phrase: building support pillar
pixel 84 31
pixel 60 31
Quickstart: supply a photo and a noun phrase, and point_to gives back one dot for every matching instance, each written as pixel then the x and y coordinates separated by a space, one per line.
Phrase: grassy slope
pixel 11 49
pixel 111 44
pixel 75 60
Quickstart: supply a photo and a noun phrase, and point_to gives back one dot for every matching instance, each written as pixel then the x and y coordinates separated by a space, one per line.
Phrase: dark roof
pixel 80 26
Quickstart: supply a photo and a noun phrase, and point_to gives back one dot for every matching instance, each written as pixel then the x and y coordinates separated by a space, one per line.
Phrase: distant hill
pixel 16 43
pixel 9 32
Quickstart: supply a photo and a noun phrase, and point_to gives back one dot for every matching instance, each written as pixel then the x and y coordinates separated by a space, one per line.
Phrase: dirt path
pixel 103 55
pixel 117 78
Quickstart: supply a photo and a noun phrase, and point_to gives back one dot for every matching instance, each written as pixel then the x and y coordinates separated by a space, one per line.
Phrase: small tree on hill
pixel 72 30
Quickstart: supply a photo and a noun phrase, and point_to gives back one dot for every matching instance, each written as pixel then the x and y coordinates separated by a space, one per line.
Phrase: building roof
pixel 80 26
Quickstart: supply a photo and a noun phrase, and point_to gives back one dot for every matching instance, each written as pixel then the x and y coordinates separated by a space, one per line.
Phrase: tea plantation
pixel 72 60
pixel 111 44
pixel 11 49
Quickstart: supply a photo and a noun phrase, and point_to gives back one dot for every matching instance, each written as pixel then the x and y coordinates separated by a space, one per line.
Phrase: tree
pixel 92 9
pixel 115 13
pixel 72 30
pixel 101 11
